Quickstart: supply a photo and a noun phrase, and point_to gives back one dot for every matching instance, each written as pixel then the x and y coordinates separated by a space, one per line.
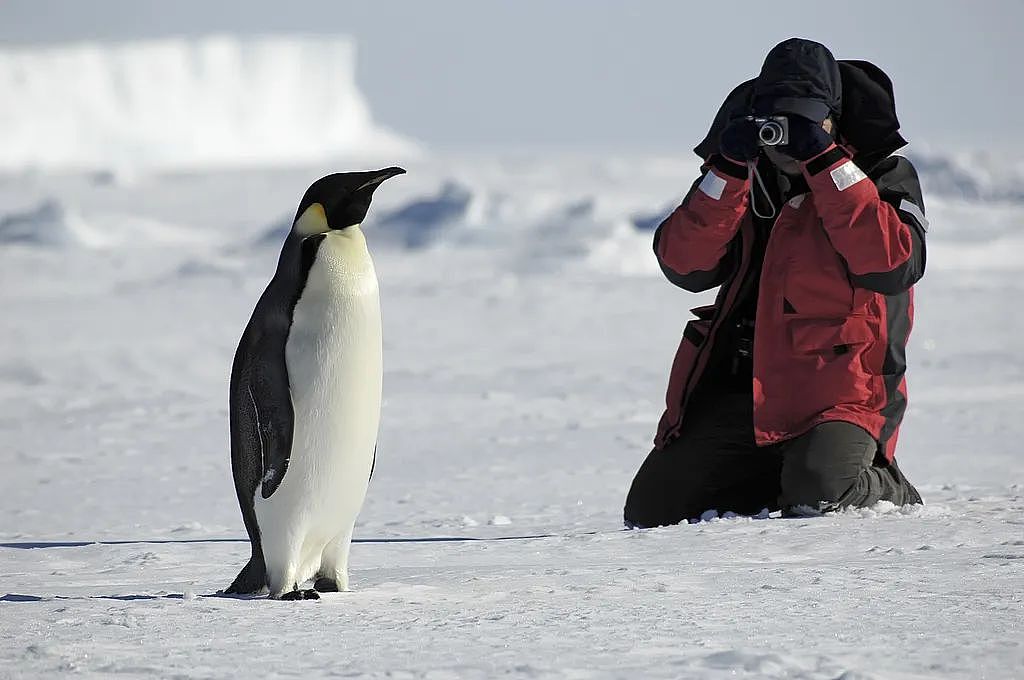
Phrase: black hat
pixel 799 76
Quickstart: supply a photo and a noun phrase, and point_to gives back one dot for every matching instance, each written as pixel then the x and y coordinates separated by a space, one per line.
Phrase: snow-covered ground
pixel 528 341
pixel 528 337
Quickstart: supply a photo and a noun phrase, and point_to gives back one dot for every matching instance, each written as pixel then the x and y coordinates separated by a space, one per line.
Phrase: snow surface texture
pixel 528 337
pixel 220 101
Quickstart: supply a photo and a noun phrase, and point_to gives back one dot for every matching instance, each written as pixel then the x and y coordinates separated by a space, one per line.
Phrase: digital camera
pixel 771 130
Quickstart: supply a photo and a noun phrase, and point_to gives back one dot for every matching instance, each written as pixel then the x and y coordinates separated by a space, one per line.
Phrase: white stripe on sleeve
pixel 908 207
pixel 846 175
pixel 712 185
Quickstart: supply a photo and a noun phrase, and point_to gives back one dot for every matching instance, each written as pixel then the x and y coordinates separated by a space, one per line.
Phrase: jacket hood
pixel 867 124
pixel 799 77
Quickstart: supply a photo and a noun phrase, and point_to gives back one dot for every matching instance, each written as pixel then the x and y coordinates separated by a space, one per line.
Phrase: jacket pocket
pixel 829 367
pixel 835 336
pixel 695 334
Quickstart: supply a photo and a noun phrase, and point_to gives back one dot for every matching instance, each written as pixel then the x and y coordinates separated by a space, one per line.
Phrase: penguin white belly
pixel 334 360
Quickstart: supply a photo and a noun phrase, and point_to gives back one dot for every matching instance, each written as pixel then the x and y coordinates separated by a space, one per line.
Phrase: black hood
pixel 865 111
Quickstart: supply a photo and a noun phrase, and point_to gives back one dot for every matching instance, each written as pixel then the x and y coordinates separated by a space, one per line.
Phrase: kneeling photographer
pixel 788 392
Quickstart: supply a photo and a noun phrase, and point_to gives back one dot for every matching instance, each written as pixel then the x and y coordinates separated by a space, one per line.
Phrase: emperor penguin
pixel 305 396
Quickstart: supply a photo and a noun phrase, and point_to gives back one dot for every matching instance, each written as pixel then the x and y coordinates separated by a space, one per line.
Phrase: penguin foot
pixel 325 585
pixel 301 595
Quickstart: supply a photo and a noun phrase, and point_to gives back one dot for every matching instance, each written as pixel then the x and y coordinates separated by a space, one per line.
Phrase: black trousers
pixel 715 465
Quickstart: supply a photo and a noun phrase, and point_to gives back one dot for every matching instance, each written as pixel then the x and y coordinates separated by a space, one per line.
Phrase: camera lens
pixel 770 133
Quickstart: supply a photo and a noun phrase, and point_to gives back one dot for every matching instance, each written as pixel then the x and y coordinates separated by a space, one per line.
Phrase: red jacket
pixel 835 299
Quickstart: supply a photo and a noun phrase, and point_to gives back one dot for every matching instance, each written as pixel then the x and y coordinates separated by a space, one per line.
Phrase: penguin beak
pixel 353 207
pixel 379 177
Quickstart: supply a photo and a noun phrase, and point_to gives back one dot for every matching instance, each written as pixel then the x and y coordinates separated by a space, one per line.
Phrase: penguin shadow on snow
pixel 220 594
pixel 18 597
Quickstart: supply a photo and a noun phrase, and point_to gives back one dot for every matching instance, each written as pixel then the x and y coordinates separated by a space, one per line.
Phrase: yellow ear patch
pixel 312 221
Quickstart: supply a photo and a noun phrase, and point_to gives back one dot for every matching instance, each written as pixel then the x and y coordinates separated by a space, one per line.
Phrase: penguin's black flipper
pixel 262 417
pixel 275 418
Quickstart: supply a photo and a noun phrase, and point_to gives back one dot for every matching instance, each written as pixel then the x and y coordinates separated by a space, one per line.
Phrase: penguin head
pixel 338 201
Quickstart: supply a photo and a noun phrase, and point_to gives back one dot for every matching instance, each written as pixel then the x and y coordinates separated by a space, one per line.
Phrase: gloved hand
pixel 738 141
pixel 806 139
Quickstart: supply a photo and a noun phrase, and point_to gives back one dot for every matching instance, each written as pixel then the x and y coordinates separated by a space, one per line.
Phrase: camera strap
pixel 755 180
